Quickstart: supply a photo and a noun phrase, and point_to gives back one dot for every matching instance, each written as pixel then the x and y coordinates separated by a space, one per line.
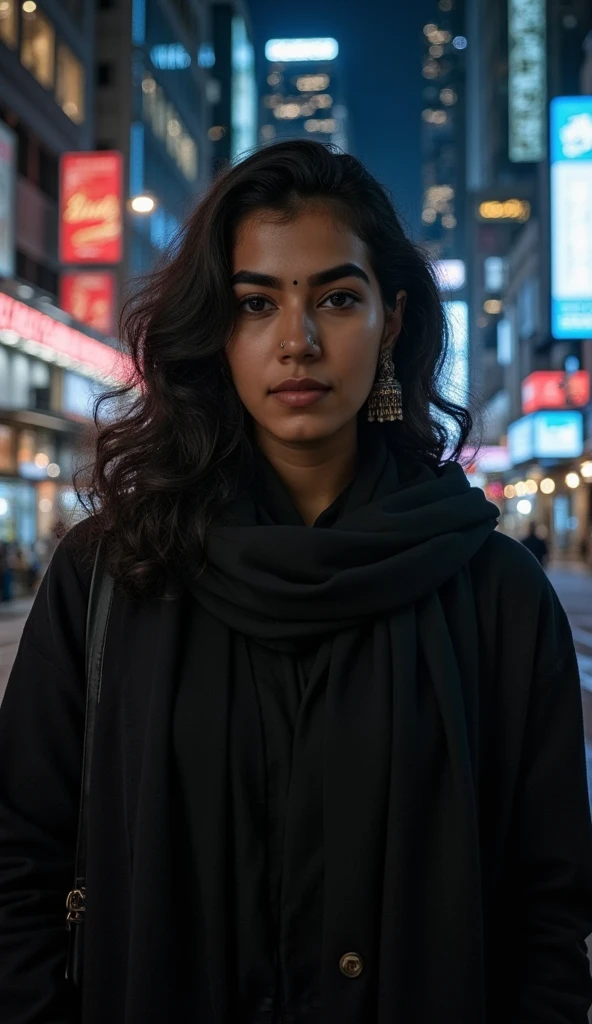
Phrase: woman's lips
pixel 300 398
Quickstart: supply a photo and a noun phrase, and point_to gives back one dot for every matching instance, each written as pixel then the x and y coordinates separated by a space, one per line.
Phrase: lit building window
pixel 431 68
pixel 448 97
pixel 37 44
pixel 436 51
pixel 429 215
pixel 449 221
pixel 438 117
pixel 287 111
pixel 168 127
pixel 308 83
pixel 8 23
pixel 70 84
pixel 493 306
pixel 445 5
pixel 325 125
pixel 274 79
pixel 267 133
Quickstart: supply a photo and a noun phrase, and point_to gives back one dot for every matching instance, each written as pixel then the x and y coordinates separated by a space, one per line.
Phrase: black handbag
pixel 97 619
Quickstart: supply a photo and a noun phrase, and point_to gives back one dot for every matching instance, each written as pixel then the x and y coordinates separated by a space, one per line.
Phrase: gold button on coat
pixel 351 965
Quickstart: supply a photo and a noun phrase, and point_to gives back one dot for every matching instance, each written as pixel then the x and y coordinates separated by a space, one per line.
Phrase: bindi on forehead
pixel 295 282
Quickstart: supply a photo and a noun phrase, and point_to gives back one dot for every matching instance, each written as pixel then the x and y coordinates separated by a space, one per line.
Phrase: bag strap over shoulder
pixel 99 608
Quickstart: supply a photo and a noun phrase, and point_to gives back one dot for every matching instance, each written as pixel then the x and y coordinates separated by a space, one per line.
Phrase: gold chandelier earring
pixel 385 401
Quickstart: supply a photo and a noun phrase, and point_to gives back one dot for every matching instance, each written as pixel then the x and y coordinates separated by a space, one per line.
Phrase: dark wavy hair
pixel 169 462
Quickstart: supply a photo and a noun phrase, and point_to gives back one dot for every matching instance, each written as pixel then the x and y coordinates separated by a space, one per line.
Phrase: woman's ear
pixel 394 322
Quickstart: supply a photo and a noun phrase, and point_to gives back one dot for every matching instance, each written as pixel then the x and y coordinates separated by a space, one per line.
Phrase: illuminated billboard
pixel 89 296
pixel 91 223
pixel 284 50
pixel 555 389
pixel 571 217
pixel 546 435
pixel 527 80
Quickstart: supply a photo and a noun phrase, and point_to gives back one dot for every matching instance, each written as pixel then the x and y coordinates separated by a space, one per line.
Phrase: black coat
pixel 534 818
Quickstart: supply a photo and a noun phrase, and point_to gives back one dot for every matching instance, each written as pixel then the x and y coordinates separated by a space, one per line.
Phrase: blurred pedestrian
pixel 536 544
pixel 337 762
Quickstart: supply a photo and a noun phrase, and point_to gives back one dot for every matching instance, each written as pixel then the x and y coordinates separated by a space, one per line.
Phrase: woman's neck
pixel 314 475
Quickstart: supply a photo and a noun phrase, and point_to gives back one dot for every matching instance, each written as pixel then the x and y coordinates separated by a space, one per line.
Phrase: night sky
pixel 380 54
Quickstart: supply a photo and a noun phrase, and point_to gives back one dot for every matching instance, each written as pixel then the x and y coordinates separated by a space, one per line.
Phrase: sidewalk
pixel 17 609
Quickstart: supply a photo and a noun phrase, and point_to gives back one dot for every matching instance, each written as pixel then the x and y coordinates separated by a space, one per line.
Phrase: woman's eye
pixel 253 304
pixel 341 300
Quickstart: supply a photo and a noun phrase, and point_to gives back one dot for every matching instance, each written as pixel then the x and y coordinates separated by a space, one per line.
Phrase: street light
pixel 143 204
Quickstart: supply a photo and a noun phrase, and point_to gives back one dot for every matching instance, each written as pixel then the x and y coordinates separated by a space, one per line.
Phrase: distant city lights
pixel 547 485
pixel 524 507
pixel 572 480
pixel 507 209
pixel 459 43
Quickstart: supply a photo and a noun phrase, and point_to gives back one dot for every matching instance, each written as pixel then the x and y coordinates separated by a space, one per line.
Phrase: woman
pixel 338 769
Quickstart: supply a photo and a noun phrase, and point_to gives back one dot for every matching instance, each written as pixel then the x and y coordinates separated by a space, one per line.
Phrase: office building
pixel 153 61
pixel 443 131
pixel 304 96
pixel 233 86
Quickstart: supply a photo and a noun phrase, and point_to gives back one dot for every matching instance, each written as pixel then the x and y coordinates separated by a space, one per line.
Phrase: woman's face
pixel 310 325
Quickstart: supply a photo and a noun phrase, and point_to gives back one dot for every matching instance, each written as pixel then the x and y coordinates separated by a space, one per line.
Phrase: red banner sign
pixel 24 327
pixel 89 296
pixel 555 389
pixel 91 193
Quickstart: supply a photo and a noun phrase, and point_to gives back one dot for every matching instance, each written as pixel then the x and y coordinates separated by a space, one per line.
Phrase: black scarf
pixel 388 757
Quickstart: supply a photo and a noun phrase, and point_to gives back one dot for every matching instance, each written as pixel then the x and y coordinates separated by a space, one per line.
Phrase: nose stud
pixel 309 338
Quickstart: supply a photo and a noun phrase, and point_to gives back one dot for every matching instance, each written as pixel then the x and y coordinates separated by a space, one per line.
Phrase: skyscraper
pixel 305 92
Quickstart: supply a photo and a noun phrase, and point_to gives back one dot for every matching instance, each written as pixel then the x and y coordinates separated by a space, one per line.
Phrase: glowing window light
pixel 547 485
pixel 586 470
pixel 524 507
pixel 572 480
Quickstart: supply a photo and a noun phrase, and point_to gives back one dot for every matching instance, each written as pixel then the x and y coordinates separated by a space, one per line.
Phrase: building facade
pixel 304 94
pixel 521 56
pixel 235 107
pixel 50 366
pixel 153 61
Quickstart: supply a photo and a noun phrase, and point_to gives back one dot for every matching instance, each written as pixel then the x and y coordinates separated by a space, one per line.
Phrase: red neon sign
pixel 91 355
pixel 89 296
pixel 555 389
pixel 91 196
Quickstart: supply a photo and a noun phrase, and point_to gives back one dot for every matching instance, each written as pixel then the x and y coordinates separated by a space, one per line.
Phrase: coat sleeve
pixel 41 737
pixel 554 837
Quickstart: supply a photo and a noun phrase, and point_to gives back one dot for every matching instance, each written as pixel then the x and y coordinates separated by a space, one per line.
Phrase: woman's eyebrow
pixel 323 276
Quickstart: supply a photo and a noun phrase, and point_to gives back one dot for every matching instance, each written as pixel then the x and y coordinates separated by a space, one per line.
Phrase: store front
pixel 50 374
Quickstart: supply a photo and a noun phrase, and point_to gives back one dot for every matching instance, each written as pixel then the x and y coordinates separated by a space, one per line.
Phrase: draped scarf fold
pixel 388 750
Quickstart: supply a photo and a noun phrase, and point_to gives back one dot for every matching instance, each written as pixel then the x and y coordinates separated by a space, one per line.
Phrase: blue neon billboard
pixel 546 435
pixel 571 217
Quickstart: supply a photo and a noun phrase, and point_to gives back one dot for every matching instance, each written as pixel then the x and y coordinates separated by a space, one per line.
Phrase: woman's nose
pixel 300 339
